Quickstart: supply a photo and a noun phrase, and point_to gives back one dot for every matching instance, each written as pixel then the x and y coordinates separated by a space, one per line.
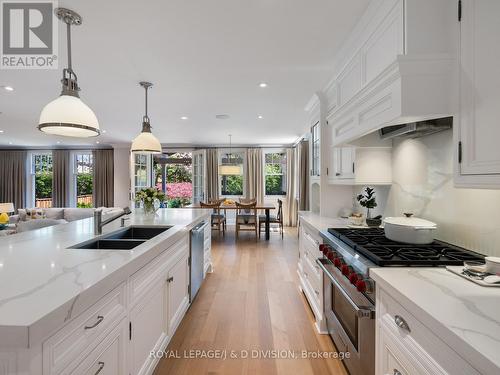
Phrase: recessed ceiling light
pixel 184 118
pixel 10 143
pixel 103 131
pixel 97 142
pixel 8 88
pixel 260 117
pixel 1 131
pixel 262 84
pixel 58 142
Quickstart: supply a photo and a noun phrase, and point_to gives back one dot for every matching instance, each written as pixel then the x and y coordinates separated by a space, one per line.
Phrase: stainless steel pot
pixel 409 229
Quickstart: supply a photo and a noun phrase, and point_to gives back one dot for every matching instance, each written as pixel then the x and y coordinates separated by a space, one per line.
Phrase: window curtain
pixel 255 175
pixel 13 178
pixel 103 178
pixel 212 174
pixel 303 175
pixel 290 216
pixel 61 170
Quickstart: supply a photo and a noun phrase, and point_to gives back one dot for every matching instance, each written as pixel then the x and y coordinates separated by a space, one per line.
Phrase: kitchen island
pixel 59 305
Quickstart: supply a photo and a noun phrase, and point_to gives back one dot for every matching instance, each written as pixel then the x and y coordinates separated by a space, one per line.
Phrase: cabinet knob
pixel 170 279
pixel 100 368
pixel 100 318
pixel 401 323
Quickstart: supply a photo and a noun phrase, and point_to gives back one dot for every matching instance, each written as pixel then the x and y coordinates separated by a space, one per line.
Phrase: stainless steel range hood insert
pixel 416 129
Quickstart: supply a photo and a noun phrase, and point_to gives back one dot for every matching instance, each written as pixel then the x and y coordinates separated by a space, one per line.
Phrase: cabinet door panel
pixel 178 293
pixel 148 327
pixel 479 94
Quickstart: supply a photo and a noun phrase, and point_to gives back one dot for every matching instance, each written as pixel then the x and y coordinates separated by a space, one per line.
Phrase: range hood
pixel 416 129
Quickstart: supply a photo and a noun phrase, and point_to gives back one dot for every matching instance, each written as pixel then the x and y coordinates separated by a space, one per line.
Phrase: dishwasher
pixel 196 259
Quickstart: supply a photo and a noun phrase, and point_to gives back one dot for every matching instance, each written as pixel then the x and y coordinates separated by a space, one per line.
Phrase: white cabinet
pixel 404 345
pixel 148 328
pixel 360 166
pixel 178 293
pixel 342 162
pixel 478 154
pixel 310 275
pixel 394 68
pixel 159 298
pixel 109 357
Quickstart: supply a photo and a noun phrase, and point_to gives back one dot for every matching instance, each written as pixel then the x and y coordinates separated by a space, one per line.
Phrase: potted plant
pixel 369 201
pixel 150 199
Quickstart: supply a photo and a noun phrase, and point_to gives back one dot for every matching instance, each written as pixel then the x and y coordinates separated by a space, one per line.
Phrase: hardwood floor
pixel 250 303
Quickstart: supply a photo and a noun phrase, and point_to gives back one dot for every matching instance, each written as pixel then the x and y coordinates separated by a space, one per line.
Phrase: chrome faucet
pixel 98 223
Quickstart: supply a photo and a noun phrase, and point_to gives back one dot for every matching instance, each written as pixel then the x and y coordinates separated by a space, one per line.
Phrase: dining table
pixel 266 207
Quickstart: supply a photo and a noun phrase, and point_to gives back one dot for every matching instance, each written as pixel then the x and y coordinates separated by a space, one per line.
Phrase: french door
pixel 199 176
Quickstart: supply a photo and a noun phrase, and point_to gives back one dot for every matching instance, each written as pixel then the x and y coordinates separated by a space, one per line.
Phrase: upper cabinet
pixel 478 132
pixel 395 68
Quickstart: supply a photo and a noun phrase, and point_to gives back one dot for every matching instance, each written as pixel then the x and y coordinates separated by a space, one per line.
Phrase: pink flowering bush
pixel 178 189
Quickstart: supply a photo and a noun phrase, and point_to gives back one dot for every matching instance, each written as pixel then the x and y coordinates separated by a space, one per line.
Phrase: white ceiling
pixel 204 58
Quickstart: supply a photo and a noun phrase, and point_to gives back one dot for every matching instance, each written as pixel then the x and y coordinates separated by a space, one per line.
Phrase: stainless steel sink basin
pixel 109 244
pixel 123 239
pixel 137 233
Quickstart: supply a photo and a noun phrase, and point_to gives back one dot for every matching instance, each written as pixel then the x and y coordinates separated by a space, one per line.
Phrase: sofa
pixel 35 218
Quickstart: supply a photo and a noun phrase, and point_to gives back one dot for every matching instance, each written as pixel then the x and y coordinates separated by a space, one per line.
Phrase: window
pixel 83 174
pixel 142 163
pixel 232 185
pixel 275 173
pixel 41 172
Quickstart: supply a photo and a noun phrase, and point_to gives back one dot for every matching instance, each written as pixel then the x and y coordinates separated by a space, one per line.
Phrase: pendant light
pixel 146 142
pixel 68 115
pixel 230 167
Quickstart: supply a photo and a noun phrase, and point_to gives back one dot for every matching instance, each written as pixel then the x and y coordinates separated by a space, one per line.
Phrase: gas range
pixel 349 292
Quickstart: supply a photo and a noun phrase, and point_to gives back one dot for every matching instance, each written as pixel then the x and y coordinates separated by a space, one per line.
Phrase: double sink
pixel 123 239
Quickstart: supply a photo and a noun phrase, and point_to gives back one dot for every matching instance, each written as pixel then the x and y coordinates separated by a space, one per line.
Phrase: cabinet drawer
pixel 418 340
pixel 108 358
pixel 141 281
pixel 67 347
pixel 316 285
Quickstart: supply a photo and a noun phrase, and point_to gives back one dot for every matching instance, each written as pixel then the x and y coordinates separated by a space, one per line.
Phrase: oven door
pixel 350 319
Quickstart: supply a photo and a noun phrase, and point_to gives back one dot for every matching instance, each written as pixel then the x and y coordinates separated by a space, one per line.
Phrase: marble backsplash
pixel 423 184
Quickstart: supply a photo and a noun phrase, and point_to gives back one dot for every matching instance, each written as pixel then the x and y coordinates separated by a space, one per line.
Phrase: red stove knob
pixel 345 269
pixel 361 285
pixel 353 278
pixel 323 248
pixel 337 262
pixel 331 255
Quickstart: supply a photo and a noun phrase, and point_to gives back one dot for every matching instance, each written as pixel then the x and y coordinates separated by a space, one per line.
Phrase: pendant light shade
pixel 68 115
pixel 146 142
pixel 230 167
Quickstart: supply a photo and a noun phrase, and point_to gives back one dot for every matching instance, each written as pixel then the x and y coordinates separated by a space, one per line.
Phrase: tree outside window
pixel 275 173
pixel 41 168
pixel 176 169
pixel 84 180
pixel 232 185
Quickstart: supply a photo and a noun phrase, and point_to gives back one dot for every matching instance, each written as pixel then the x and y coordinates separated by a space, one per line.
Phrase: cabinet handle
pixel 401 323
pixel 397 372
pixel 100 318
pixel 315 291
pixel 337 174
pixel 170 279
pixel 99 369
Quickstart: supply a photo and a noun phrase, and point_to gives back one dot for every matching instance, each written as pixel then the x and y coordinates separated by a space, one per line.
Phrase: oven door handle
pixel 361 311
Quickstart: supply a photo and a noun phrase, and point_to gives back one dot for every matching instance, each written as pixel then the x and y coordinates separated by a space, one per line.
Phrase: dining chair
pixel 218 219
pixel 246 217
pixel 278 219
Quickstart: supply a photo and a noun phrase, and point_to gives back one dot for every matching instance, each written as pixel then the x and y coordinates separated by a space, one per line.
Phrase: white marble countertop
pixel 321 222
pixel 43 283
pixel 466 316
